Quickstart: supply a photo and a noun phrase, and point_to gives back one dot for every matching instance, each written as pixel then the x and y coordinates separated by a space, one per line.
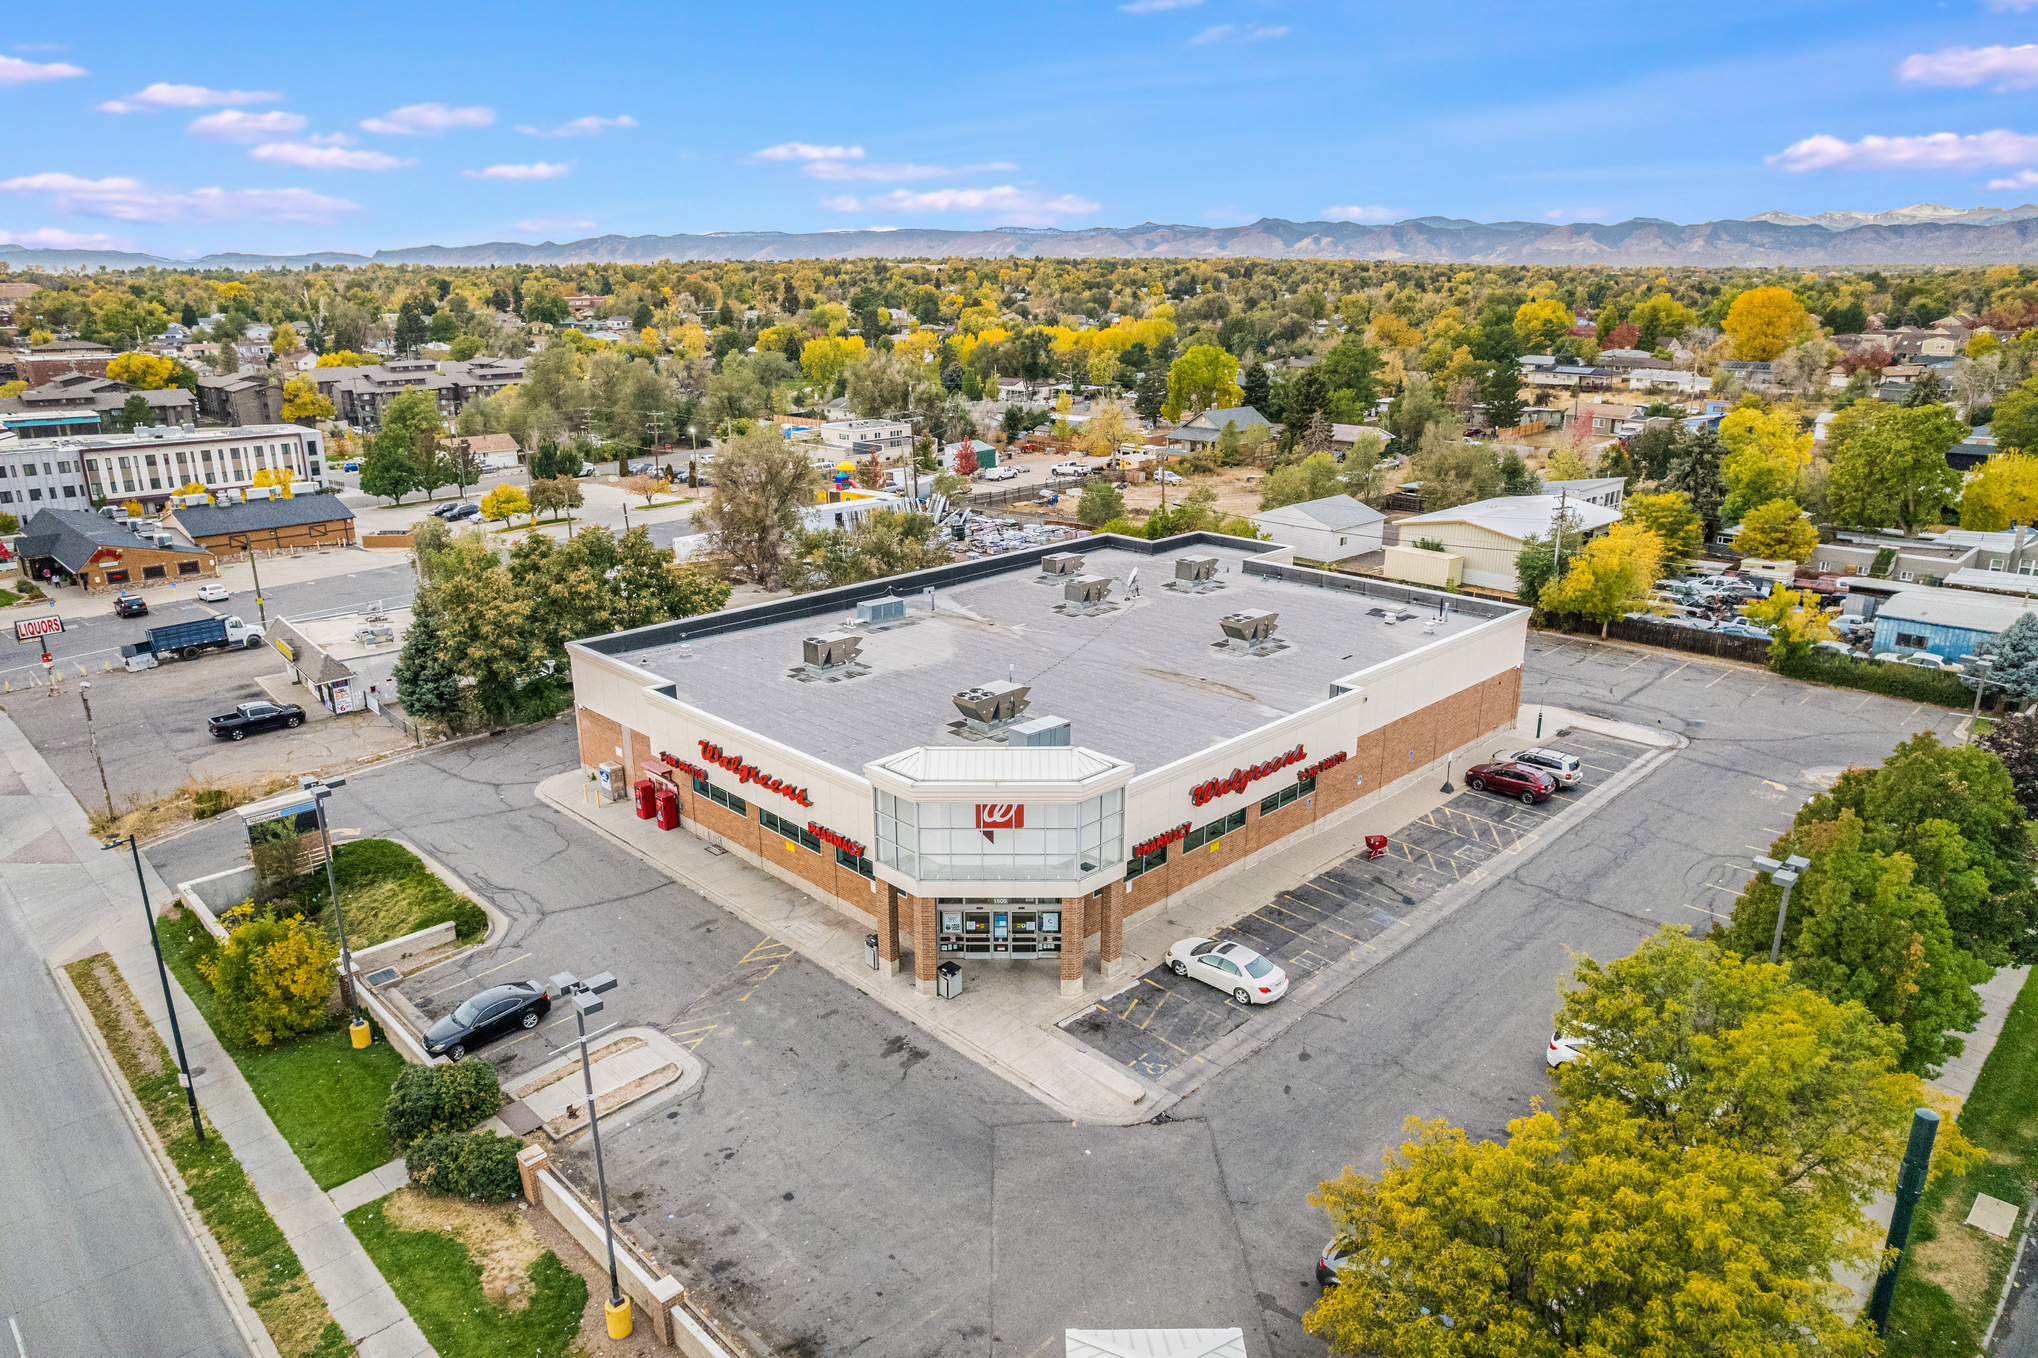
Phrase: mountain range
pixel 1920 235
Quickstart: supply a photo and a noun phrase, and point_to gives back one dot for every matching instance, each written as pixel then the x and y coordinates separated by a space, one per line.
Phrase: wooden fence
pixel 1753 650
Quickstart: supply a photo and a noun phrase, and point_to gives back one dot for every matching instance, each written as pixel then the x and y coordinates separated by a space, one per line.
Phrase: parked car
pixel 1565 768
pixel 1250 978
pixel 489 1015
pixel 587 469
pixel 1069 469
pixel 130 605
pixel 1328 1263
pixel 350 466
pixel 212 592
pixel 461 512
pixel 1515 780
pixel 1741 629
pixel 1564 1048
pixel 249 717
pixel 998 474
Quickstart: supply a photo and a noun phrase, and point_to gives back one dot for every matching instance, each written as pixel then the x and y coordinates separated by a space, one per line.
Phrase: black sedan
pixel 484 1017
pixel 1511 779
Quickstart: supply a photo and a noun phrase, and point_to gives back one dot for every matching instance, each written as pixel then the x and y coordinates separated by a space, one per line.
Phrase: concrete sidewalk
pixel 1006 1017
pixel 47 836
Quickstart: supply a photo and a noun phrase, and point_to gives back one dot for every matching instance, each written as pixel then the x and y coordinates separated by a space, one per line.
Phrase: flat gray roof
pixel 1144 682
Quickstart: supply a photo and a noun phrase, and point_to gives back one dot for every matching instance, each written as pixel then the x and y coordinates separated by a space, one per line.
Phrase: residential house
pixel 1688 383
pixel 80 547
pixel 1605 418
pixel 1489 534
pixel 1202 431
pixel 1335 528
pixel 1608 492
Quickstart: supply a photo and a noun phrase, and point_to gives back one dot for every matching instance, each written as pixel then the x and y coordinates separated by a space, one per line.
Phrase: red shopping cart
pixel 1376 846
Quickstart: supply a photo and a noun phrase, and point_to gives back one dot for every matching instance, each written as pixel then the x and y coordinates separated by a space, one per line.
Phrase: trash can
pixel 870 950
pixel 948 980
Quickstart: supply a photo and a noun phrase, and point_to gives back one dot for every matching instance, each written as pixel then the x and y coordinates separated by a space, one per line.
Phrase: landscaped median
pixel 290 1308
pixel 1953 1274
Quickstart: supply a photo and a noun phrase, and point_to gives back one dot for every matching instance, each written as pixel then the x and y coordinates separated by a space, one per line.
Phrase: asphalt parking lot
pixel 840 1182
pixel 1163 1020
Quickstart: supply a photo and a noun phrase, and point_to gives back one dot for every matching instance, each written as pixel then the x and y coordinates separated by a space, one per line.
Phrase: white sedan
pixel 1250 978
pixel 212 592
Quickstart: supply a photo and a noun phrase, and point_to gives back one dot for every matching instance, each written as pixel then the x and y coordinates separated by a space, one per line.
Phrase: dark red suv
pixel 1516 780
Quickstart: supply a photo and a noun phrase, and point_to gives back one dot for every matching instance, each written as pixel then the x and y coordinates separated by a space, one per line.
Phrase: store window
pixel 153 572
pixel 1214 831
pixel 187 568
pixel 1145 862
pixel 798 834
pixel 846 859
pixel 1035 842
pixel 1280 799
pixel 721 798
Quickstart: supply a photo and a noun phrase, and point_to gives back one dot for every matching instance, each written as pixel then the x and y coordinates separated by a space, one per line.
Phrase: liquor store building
pixel 1002 761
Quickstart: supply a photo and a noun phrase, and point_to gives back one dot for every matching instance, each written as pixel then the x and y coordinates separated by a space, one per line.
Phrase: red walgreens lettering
pixel 750 773
pixel 842 842
pixel 1240 779
pixel 1329 762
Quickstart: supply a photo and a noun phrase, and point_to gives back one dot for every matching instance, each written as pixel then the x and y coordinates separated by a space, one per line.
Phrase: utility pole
pixel 1557 534
pixel 657 423
pixel 247 544
pixel 84 696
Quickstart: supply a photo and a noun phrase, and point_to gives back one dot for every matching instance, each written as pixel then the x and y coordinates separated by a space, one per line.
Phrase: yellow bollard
pixel 619 1319
pixel 358 1032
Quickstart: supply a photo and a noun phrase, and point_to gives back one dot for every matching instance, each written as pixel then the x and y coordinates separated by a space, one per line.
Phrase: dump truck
pixel 185 640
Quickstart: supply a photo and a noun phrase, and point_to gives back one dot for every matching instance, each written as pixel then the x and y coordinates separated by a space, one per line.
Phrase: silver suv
pixel 1565 768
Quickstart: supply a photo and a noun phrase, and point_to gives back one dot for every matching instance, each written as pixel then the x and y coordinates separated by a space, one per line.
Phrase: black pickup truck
pixel 236 724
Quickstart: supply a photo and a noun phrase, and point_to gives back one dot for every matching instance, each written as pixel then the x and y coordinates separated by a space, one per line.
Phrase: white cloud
pixel 309 156
pixel 1155 6
pixel 538 170
pixel 423 120
pixel 1234 33
pixel 162 96
pixel 800 150
pixel 580 127
pixel 1009 205
pixel 15 71
pixel 1362 214
pixel 1999 6
pixel 545 224
pixel 1940 150
pixel 129 200
pixel 2003 68
pixel 1575 214
pixel 2022 179
pixel 55 238
pixel 847 172
pixel 231 124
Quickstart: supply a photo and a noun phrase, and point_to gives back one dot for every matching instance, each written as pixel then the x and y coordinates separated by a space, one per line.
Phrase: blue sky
pixel 182 132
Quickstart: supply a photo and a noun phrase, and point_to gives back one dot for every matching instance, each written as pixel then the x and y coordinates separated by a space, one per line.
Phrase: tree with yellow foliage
pixel 690 340
pixel 1983 344
pixel 1763 322
pixel 1794 621
pixel 1777 531
pixel 824 359
pixel 648 337
pixel 2003 492
pixel 1391 332
pixel 1612 576
pixel 277 479
pixel 302 400
pixel 271 979
pixel 505 502
pixel 1204 377
pixel 193 488
pixel 1767 454
pixel 1105 430
pixel 1542 324
pixel 143 372
pixel 346 358
pixel 283 339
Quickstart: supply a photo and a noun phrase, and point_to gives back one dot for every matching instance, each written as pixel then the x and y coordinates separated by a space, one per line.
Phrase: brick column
pixel 1073 937
pixel 1111 938
pixel 924 946
pixel 530 1160
pixel 888 929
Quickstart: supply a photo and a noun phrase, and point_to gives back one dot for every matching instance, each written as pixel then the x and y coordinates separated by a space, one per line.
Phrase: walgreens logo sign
pixel 750 773
pixel 1238 780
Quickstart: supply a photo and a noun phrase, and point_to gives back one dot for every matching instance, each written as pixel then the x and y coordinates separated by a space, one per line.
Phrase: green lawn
pixel 325 1097
pixel 1953 1273
pixel 439 1283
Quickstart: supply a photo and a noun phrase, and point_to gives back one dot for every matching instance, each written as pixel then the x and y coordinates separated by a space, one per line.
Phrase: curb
pixel 1261 1031
pixel 251 1327
pixel 954 1042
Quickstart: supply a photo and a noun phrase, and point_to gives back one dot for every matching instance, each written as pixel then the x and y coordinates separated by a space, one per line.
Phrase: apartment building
pixel 152 463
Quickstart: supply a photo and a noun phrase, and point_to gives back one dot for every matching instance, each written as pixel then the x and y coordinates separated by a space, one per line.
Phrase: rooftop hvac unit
pixel 1196 569
pixel 1087 590
pixel 1249 626
pixel 1038 732
pixel 1062 563
pixel 988 703
pixel 880 610
pixel 830 650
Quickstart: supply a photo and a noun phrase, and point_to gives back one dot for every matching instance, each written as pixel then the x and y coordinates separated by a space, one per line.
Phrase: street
pixel 841 1182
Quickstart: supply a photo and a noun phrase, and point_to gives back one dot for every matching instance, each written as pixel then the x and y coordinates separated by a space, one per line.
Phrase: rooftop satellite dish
pixel 1133 578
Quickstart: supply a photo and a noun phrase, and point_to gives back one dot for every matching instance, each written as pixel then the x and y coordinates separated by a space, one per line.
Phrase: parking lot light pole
pixel 320 789
pixel 163 974
pixel 1785 875
pixel 586 1000
pixel 1910 1185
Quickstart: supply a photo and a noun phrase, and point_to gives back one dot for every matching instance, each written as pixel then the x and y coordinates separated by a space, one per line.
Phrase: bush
pixel 272 978
pixel 277 857
pixel 466 1164
pixel 1907 682
pixel 208 802
pixel 429 1099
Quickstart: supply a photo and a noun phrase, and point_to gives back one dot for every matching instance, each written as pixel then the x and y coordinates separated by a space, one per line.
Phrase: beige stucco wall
pixel 1420 566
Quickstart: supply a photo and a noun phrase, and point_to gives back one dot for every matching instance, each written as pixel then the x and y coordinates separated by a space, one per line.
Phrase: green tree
pixel 134 413
pixel 881 544
pixel 1695 461
pixel 1203 378
pixel 1352 372
pixel 1889 466
pixel 2014 741
pixel 1316 477
pixel 411 329
pixel 1454 471
pixel 1672 519
pixel 1150 397
pixel 2013 661
pixel 1414 409
pixel 1777 531
pixel 761 484
pixel 1861 928
pixel 1100 504
pixel 1538 561
pixel 1256 389
pixel 2015 422
pixel 389 470
pixel 426 685
pixel 432 1100
pixel 1499 393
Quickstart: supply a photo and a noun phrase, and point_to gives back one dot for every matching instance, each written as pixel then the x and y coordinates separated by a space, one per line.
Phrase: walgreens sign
pixel 750 773
pixel 1238 780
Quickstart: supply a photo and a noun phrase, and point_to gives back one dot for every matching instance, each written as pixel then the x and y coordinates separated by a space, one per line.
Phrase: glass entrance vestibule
pixel 1004 927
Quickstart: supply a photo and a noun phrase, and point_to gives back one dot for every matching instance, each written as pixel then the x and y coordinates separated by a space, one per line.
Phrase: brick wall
pixel 601 738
